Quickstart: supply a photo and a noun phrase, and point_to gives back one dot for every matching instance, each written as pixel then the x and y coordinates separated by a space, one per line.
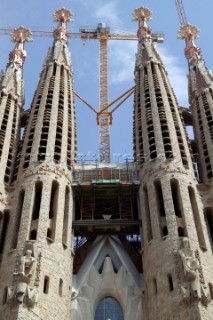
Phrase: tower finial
pixel 62 16
pixel 142 15
pixel 190 33
pixel 19 36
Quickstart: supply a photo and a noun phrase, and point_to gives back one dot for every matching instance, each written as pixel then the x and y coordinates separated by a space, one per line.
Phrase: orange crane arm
pixel 87 35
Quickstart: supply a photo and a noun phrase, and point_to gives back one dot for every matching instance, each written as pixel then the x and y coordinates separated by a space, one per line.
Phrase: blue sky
pixel 37 14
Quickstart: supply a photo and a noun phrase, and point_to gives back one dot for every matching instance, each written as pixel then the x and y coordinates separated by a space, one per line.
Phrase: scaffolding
pixel 106 199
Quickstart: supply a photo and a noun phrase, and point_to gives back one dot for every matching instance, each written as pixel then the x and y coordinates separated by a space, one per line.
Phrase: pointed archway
pixel 110 309
pixel 107 271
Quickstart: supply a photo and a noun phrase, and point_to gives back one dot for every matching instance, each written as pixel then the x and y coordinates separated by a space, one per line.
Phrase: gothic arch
pixel 98 284
pixel 109 308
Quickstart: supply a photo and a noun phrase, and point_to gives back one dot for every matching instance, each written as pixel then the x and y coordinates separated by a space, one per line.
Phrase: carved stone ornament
pixel 62 16
pixel 192 289
pixel 22 294
pixel 189 33
pixel 26 263
pixel 18 55
pixel 143 15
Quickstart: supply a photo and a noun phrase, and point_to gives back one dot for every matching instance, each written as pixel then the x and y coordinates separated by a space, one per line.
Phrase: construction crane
pixel 181 12
pixel 103 115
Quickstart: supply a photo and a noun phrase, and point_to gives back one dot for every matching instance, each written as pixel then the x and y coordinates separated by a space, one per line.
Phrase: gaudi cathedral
pixel 106 241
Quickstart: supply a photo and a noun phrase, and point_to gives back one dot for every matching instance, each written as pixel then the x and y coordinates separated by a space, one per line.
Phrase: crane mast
pixel 103 118
pixel 181 12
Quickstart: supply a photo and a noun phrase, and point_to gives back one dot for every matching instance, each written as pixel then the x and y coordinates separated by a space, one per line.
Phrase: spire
pixel 62 16
pixel 18 55
pixel 201 100
pixel 200 76
pixel 55 101
pixel 11 81
pixel 142 15
pixel 11 102
pixel 190 33
pixel 156 117
pixel 167 182
pixel 43 172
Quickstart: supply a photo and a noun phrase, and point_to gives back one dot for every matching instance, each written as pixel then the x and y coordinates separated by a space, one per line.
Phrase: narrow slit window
pixel 54 69
pixel 197 220
pixel 170 282
pixel 148 217
pixel 37 200
pixel 1 224
pixel 159 197
pixel 49 233
pixel 155 286
pixel 164 231
pixel 66 216
pixel 208 212
pixel 33 235
pixel 211 290
pixel 3 235
pixel 4 296
pixel 18 219
pixel 176 198
pixel 181 232
pixel 53 210
pixel 60 287
pixel 46 284
pixel 53 199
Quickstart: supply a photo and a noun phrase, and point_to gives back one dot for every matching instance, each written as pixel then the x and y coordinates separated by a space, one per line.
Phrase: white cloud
pixel 122 61
pixel 177 76
pixel 109 13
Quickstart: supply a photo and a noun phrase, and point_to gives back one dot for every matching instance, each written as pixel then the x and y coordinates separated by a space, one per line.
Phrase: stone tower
pixel 201 100
pixel 36 265
pixel 11 103
pixel 176 250
pixel 143 231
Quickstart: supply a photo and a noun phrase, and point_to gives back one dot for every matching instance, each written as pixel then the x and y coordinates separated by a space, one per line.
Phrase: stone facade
pixel 177 284
pixel 37 256
pixel 39 276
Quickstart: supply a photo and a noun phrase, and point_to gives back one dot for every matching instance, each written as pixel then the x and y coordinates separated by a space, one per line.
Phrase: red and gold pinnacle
pixel 62 16
pixel 190 33
pixel 18 55
pixel 142 15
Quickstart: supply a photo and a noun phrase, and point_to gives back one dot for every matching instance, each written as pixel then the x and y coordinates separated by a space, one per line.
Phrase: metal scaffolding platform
pixel 106 199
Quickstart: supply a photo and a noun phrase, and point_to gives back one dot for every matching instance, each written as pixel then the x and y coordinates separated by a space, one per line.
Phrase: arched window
pixel 109 309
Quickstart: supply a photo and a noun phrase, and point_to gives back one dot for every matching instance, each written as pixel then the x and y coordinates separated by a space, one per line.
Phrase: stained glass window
pixel 109 309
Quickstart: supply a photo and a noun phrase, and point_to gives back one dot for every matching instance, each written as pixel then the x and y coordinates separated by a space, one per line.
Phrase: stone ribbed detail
pixel 201 100
pixel 11 100
pixel 39 236
pixel 52 115
pixel 158 128
pixel 171 210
